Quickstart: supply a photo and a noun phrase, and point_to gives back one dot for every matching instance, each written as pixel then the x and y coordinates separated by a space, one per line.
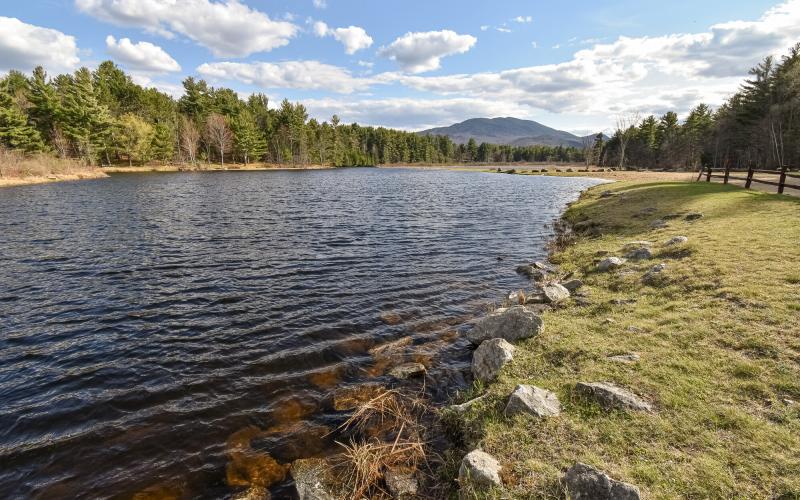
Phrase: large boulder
pixel 407 370
pixel 479 469
pixel 584 482
pixel 610 263
pixel 532 400
pixel 512 324
pixel 611 396
pixel 554 292
pixel 401 483
pixel 312 478
pixel 490 357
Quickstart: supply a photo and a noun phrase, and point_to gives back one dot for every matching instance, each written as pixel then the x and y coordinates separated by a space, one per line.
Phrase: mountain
pixel 511 131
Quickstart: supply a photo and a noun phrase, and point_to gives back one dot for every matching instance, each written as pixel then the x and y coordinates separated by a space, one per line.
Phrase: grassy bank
pixel 719 345
pixel 18 169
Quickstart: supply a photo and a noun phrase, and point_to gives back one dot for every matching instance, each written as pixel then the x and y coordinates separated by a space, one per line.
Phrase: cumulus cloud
pixel 24 46
pixel 227 28
pixel 523 19
pixel 320 4
pixel 305 75
pixel 142 56
pixel 353 38
pixel 421 52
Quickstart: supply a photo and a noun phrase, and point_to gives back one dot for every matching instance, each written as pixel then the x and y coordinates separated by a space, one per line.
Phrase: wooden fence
pixel 725 174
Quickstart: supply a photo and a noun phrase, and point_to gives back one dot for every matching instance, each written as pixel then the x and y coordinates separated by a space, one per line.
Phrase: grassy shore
pixel 203 167
pixel 17 169
pixel 719 347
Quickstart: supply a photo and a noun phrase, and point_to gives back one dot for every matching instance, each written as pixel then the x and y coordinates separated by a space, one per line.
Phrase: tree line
pixel 103 117
pixel 757 127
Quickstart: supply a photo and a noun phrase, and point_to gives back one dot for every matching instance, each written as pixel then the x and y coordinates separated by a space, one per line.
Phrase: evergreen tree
pixel 15 131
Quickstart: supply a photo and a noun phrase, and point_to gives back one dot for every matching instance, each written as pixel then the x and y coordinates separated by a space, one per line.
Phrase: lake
pixel 147 321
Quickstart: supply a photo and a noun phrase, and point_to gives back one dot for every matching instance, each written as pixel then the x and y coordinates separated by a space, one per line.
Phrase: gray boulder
pixel 610 396
pixel 407 370
pixel 629 358
pixel 642 253
pixel 312 478
pixel 658 224
pixel 479 469
pixel 531 272
pixel 401 483
pixel 584 482
pixel 490 357
pixel 572 285
pixel 532 400
pixel 677 240
pixel 610 263
pixel 554 292
pixel 512 324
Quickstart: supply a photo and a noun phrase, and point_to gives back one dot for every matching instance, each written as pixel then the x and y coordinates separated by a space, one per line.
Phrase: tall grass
pixel 14 164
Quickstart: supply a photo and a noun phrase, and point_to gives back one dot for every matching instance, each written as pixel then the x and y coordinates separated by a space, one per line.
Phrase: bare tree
pixel 190 139
pixel 60 142
pixel 219 134
pixel 626 129
pixel 587 146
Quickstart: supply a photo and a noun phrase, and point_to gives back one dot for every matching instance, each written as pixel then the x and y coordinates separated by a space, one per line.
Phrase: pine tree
pixel 249 143
pixel 15 131
pixel 84 120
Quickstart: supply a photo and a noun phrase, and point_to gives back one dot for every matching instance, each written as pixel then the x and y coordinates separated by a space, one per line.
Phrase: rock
pixel 642 253
pixel 653 272
pixel 312 478
pixel 464 407
pixel 543 267
pixel 407 370
pixel 531 400
pixel 512 324
pixel 535 298
pixel 582 301
pixel 531 272
pixel 606 194
pixel 677 240
pixel 572 285
pixel 553 292
pixel 632 245
pixel 401 482
pixel 610 396
pixel 629 358
pixel 692 216
pixel 479 469
pixel 610 263
pixel 253 493
pixel 658 224
pixel 584 482
pixel 490 357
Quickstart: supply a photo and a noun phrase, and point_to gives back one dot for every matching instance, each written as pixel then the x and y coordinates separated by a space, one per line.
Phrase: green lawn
pixel 719 340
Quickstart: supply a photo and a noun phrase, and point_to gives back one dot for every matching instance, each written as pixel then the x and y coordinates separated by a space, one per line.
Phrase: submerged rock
pixel 490 357
pixel 532 400
pixel 512 323
pixel 554 292
pixel 584 482
pixel 610 263
pixel 610 396
pixel 479 469
pixel 407 370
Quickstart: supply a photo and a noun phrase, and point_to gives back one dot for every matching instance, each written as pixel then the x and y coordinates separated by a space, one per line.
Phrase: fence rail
pixel 725 175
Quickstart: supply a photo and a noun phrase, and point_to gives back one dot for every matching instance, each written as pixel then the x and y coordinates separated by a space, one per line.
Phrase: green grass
pixel 719 339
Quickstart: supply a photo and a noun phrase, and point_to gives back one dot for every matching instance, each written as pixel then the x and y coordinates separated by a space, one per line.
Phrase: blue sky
pixel 412 65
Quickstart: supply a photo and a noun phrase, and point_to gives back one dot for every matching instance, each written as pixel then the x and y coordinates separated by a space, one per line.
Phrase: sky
pixel 409 64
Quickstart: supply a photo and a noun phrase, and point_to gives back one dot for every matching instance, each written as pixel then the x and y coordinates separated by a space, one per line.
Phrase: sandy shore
pixel 22 181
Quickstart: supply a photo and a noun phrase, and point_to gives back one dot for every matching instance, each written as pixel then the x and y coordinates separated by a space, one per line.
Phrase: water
pixel 148 321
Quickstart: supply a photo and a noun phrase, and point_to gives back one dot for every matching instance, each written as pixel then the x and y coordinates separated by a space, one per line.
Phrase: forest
pixel 104 118
pixel 757 127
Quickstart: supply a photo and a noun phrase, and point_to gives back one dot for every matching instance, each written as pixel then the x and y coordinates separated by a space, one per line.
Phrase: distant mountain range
pixel 512 131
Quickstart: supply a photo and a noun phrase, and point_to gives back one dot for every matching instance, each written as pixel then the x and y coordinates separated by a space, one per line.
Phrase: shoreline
pixel 44 179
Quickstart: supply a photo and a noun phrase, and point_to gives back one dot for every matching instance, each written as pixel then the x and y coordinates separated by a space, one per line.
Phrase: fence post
pixel 708 175
pixel 727 171
pixel 782 182
pixel 749 177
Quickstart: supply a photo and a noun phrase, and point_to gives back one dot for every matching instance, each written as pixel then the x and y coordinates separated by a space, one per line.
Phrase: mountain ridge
pixel 507 131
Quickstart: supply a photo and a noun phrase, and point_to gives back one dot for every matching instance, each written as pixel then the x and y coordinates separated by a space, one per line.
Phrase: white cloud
pixel 420 52
pixel 485 27
pixel 24 46
pixel 503 29
pixel 320 4
pixel 142 56
pixel 306 75
pixel 228 28
pixel 523 19
pixel 353 38
pixel 534 45
pixel 144 80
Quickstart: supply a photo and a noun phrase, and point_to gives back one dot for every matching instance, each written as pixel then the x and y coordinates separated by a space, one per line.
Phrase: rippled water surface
pixel 149 322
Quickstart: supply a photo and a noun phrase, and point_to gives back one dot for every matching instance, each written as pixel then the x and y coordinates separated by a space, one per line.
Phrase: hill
pixel 512 131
